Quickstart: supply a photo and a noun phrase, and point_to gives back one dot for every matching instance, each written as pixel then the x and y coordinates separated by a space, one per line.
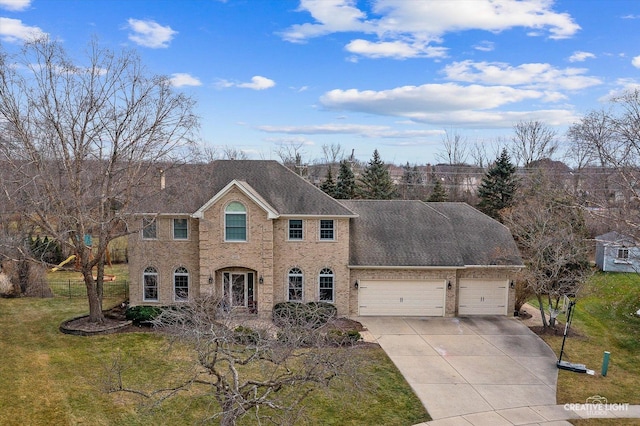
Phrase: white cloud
pixel 449 104
pixel 485 46
pixel 15 5
pixel 369 131
pixel 394 49
pixel 414 101
pixel 184 79
pixel 581 56
pixel 150 33
pixel 331 16
pixel 533 75
pixel 13 30
pixel 636 62
pixel 257 83
pixel 406 28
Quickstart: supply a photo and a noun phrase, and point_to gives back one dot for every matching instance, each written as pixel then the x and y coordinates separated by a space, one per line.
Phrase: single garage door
pixel 402 298
pixel 483 297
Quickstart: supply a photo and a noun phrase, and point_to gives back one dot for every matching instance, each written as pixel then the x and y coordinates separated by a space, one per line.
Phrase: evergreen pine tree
pixel 329 185
pixel 376 183
pixel 498 186
pixel 346 182
pixel 438 194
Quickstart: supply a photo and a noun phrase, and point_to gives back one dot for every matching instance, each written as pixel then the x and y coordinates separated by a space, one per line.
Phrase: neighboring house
pixel 255 234
pixel 617 253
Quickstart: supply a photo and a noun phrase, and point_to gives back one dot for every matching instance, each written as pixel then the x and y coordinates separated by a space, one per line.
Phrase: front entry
pixel 238 289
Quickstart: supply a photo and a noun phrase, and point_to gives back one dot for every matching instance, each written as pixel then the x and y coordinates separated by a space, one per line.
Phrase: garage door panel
pixel 401 298
pixel 483 297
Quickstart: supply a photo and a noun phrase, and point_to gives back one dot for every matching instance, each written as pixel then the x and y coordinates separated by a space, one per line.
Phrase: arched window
pixel 181 284
pixel 235 222
pixel 150 284
pixel 295 285
pixel 326 285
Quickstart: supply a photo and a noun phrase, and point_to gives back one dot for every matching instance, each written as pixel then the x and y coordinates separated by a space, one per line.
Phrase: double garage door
pixel 427 297
pixel 402 298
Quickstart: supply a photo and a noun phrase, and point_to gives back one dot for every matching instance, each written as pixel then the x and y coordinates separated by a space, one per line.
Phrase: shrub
pixel 313 314
pixel 245 335
pixel 342 338
pixel 142 314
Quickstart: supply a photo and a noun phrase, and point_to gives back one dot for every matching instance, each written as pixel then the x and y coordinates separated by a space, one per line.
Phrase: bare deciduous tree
pixel 551 234
pixel 332 154
pixel 265 371
pixel 533 141
pixel 81 142
pixel 613 138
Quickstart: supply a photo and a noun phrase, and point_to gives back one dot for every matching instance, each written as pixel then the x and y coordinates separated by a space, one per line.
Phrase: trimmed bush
pixel 342 338
pixel 245 335
pixel 142 314
pixel 314 314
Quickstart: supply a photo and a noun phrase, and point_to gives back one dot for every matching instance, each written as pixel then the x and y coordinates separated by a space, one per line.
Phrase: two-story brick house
pixel 255 234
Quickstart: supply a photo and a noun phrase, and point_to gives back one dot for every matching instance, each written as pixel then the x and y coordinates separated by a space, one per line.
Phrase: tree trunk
pixel 542 314
pixel 229 415
pixel 94 297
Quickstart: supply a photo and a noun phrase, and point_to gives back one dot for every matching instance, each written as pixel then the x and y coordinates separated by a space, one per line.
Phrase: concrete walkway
pixel 478 370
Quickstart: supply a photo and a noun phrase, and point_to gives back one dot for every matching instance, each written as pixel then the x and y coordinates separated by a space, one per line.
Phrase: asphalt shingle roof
pixel 414 233
pixel 190 186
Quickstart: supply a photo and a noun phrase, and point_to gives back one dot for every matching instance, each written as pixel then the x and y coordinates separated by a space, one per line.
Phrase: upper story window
pixel 623 253
pixel 295 285
pixel 150 284
pixel 181 284
pixel 149 229
pixel 295 229
pixel 235 222
pixel 180 229
pixel 326 285
pixel 327 229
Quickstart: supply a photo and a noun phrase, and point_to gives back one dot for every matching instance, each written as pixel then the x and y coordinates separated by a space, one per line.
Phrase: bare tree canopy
pixel 81 140
pixel 532 141
pixel 611 140
pixel 263 372
pixel 550 231
pixel 455 149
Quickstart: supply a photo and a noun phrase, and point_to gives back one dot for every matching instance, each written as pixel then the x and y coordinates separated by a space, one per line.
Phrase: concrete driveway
pixel 461 366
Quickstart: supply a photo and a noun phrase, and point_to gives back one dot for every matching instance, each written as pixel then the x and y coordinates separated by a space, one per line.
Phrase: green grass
pixel 69 283
pixel 48 378
pixel 606 321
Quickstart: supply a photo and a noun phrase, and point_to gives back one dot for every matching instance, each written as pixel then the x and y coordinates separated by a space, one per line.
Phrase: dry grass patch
pixel 49 378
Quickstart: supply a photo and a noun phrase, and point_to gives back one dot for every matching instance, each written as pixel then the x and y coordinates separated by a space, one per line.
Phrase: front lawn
pixel 48 377
pixel 605 320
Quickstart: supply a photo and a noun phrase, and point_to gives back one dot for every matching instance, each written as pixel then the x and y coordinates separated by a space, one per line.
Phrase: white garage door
pixel 483 297
pixel 401 298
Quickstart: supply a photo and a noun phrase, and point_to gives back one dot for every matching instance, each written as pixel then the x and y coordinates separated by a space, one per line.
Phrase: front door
pixel 238 288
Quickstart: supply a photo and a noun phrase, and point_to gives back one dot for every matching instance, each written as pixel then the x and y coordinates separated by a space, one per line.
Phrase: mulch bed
pixel 115 321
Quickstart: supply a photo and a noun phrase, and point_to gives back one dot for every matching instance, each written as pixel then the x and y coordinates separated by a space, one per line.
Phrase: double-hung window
pixel 295 285
pixel 150 284
pixel 623 253
pixel 149 229
pixel 235 222
pixel 181 284
pixel 326 280
pixel 180 229
pixel 327 230
pixel 295 229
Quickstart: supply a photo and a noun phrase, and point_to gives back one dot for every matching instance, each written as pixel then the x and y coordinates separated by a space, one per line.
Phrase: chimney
pixel 162 181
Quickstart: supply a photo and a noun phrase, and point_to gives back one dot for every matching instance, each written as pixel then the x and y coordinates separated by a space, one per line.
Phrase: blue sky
pixel 388 74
